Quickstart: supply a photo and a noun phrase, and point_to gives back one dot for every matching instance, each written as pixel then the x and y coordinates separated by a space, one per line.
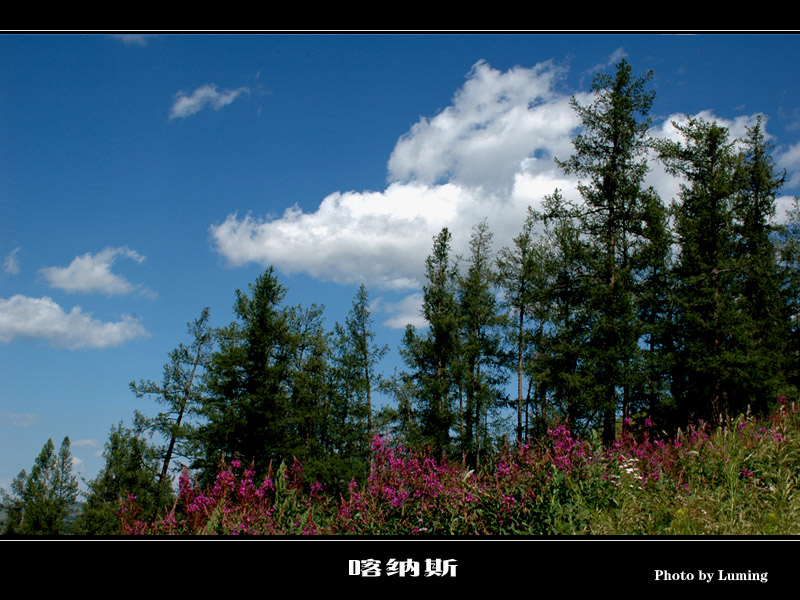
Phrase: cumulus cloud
pixel 204 96
pixel 489 154
pixel 42 318
pixel 91 273
pixel 11 262
pixel 499 125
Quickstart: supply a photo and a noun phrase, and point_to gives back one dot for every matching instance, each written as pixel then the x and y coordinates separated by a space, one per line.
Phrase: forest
pixel 602 373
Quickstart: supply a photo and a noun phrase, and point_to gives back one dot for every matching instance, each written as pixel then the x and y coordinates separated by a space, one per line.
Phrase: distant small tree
pixel 39 502
pixel 131 469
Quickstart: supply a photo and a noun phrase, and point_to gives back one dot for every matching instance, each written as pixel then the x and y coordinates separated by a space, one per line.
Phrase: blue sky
pixel 143 178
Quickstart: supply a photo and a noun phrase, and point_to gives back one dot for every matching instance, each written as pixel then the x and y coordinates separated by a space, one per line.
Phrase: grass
pixel 741 478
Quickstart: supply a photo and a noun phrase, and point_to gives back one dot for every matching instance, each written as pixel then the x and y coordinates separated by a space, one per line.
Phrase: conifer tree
pixel 560 363
pixel 40 501
pixel 247 411
pixel 654 307
pixel 610 159
pixel 481 357
pixel 758 282
pixel 519 269
pixel 432 355
pixel 358 356
pixel 708 325
pixel 354 378
pixel 132 468
pixel 788 244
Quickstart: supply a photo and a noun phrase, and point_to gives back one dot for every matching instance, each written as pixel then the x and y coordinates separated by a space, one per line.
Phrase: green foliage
pixel 39 502
pixel 249 380
pixel 131 470
pixel 432 355
pixel 353 379
pixel 521 277
pixel 738 479
pixel 611 313
pixel 729 319
pixel 610 156
pixel 481 356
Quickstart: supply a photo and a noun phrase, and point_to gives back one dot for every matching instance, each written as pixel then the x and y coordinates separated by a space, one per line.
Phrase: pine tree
pixel 40 501
pixel 432 355
pixel 132 468
pixel 560 363
pixel 788 244
pixel 758 283
pixel 247 410
pixel 481 357
pixel 523 279
pixel 516 273
pixel 306 414
pixel 708 325
pixel 610 153
pixel 655 311
pixel 356 377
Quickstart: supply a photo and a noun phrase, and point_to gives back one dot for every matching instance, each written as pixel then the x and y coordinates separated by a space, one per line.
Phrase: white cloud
pixel 790 160
pixel 206 95
pixel 613 59
pixel 11 262
pixel 489 154
pixel 42 318
pixel 489 134
pixel 407 311
pixel 85 443
pixel 137 39
pixel 91 273
pixel 19 419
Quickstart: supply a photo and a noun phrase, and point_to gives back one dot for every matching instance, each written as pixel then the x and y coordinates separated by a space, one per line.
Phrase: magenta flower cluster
pixel 544 488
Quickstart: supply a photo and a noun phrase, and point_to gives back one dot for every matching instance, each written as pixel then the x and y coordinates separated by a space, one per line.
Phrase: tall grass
pixel 741 478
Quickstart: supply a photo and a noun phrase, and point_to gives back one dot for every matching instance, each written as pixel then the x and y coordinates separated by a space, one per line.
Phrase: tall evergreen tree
pixel 354 377
pixel 358 356
pixel 560 364
pixel 788 244
pixel 306 416
pixel 610 158
pixel 432 355
pixel 654 307
pixel 519 270
pixel 248 409
pixel 481 358
pixel 759 280
pixel 708 325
